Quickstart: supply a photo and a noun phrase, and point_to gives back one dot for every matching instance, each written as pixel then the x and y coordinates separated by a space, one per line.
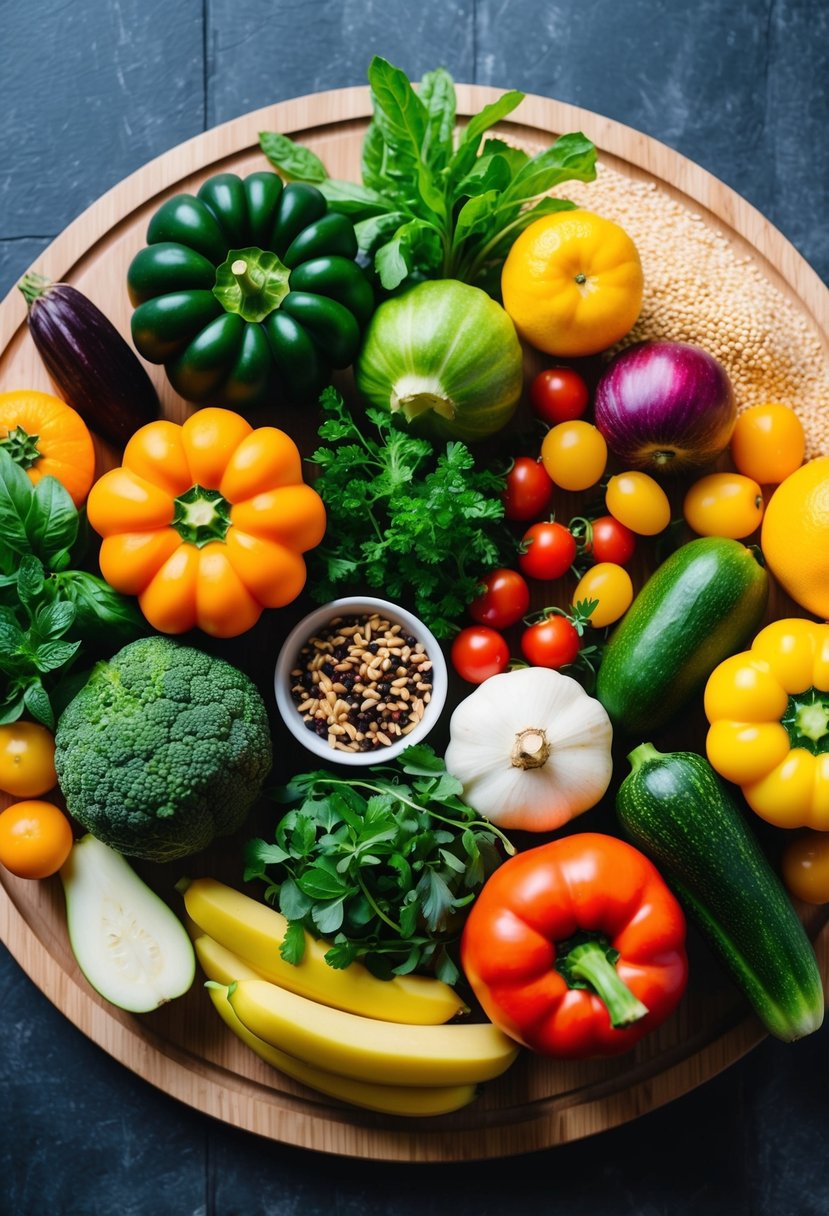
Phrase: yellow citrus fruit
pixel 572 283
pixel 795 536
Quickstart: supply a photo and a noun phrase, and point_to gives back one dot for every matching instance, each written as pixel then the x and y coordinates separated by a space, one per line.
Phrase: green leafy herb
pixel 47 610
pixel 449 204
pixel 386 865
pixel 415 523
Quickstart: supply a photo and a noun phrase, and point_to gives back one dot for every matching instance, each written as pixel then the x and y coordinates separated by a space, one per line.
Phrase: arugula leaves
pixel 434 203
pixel 415 523
pixel 384 865
pixel 48 610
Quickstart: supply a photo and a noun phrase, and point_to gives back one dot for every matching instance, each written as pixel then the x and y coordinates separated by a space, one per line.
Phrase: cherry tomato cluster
pixel 767 446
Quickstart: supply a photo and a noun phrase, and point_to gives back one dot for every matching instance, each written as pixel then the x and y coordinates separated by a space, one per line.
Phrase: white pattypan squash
pixel 531 748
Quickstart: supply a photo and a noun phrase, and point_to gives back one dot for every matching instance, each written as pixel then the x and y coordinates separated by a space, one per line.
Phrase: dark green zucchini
pixel 702 604
pixel 677 811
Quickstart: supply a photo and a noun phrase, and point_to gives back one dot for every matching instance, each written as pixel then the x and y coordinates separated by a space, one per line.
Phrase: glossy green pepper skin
pixel 248 292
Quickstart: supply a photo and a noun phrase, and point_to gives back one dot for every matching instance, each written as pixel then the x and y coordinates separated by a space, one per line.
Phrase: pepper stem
pixel 807 720
pixel 251 283
pixel 201 516
pixel 22 447
pixel 589 961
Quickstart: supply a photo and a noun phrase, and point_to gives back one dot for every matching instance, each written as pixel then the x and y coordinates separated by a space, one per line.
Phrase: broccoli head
pixel 163 749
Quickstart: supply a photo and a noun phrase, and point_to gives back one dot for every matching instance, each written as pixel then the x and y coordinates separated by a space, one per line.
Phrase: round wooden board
pixel 183 1048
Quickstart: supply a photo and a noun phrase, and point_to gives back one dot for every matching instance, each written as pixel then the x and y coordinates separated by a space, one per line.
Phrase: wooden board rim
pixel 196 1082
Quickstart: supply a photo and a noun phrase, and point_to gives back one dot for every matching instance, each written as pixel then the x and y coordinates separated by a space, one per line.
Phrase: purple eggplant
pixel 91 365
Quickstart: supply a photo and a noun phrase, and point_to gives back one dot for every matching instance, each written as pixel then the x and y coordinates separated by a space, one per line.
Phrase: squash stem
pixel 589 961
pixel 642 754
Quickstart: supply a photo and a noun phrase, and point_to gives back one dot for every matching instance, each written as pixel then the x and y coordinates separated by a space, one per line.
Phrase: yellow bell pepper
pixel 768 710
pixel 206 522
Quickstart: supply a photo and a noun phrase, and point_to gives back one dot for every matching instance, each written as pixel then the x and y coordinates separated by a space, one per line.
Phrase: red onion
pixel 665 407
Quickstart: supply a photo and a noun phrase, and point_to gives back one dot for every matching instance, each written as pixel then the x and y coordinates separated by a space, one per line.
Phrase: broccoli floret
pixel 163 749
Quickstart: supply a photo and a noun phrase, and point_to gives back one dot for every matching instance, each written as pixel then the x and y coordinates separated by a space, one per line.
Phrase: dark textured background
pixel 88 93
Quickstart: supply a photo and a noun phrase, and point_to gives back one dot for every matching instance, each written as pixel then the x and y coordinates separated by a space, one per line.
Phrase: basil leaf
pixel 293 160
pixel 49 656
pixel 16 492
pixel 475 215
pixel 571 158
pixel 489 115
pixel 36 701
pixel 53 620
pixel 100 610
pixel 30 580
pixel 353 200
pixel 437 92
pixel 52 521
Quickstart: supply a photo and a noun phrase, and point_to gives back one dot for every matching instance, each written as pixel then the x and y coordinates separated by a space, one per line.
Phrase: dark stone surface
pixel 88 93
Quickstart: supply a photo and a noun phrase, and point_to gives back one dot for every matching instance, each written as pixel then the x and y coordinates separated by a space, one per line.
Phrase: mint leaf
pixel 37 703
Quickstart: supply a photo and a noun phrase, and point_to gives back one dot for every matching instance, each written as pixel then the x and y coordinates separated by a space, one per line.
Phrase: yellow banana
pixel 254 932
pixel 367 1049
pixel 223 966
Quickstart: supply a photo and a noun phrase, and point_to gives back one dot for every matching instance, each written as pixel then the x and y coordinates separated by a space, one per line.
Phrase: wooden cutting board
pixel 183 1048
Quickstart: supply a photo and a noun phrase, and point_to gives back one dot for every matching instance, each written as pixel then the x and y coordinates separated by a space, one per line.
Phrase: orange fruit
pixel 768 443
pixel 572 283
pixel 35 839
pixel 795 536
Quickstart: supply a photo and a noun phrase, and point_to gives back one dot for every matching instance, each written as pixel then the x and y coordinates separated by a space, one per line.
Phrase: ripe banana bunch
pixel 254 931
pixel 378 1044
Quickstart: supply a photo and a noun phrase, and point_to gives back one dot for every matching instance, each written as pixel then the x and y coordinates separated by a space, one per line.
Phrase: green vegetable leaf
pixel 476 215
pixel 321 882
pixel 414 245
pixel 356 201
pixel 402 120
pixel 437 92
pixel 51 655
pixel 571 158
pixel 436 899
pixel 52 521
pixel 292 946
pixel 37 703
pixel 291 159
pixel 293 903
pixel 53 620
pixel 30 581
pixel 99 609
pixel 16 494
pixel 490 115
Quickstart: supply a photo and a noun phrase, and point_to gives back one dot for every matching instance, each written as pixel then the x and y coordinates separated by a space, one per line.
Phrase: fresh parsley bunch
pixel 435 203
pixel 408 520
pixel 385 865
pixel 49 609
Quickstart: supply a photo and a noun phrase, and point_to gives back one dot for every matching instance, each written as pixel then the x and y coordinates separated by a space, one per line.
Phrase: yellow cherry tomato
pixel 574 455
pixel 611 586
pixel 724 504
pixel 572 283
pixel 768 443
pixel 35 839
pixel 27 759
pixel 638 502
pixel 805 866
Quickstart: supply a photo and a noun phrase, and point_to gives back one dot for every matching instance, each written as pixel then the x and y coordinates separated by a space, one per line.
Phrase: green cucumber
pixel 677 811
pixel 702 604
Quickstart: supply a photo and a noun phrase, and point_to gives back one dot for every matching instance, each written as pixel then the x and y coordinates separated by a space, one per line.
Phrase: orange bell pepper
pixel 206 522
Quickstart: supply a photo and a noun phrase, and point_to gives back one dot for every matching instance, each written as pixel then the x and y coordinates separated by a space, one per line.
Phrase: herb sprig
pixel 49 610
pixel 436 203
pixel 383 865
pixel 406 519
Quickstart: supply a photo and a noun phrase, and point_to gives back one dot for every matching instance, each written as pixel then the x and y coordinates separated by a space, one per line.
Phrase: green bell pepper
pixel 248 292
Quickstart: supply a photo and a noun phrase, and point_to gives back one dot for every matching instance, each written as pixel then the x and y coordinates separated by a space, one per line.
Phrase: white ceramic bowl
pixel 313 623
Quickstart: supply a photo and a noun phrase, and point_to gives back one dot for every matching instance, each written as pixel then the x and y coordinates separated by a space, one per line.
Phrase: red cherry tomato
pixel 611 541
pixel 506 599
pixel 553 642
pixel 559 395
pixel 529 489
pixel 479 652
pixel 550 550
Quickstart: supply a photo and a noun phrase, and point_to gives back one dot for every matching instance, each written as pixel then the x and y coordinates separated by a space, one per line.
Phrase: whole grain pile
pixel 701 288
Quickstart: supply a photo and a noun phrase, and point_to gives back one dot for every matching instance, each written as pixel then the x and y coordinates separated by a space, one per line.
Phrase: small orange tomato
pixel 638 502
pixel 574 454
pixel 806 867
pixel 27 759
pixel 724 504
pixel 35 839
pixel 768 443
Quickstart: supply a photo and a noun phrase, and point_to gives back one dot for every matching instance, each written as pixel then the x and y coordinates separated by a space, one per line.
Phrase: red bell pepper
pixel 576 948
